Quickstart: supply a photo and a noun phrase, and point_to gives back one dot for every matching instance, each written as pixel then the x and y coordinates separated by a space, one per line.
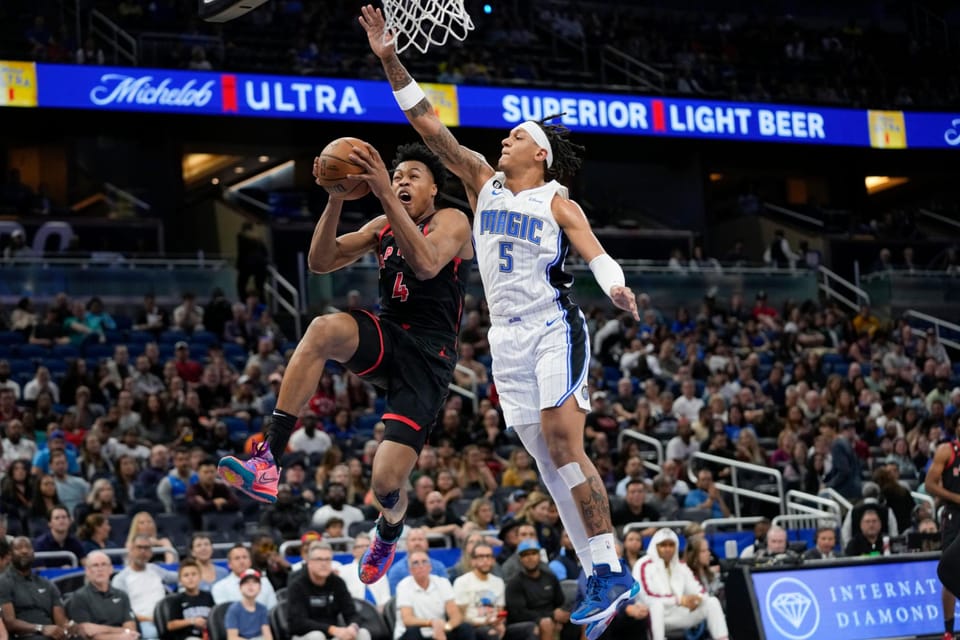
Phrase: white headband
pixel 536 132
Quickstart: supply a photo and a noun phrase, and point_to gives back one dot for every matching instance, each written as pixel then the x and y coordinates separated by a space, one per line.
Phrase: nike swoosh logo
pixel 266 477
pixel 550 323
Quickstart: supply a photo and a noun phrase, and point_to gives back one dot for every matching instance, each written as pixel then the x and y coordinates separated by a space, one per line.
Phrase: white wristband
pixel 410 96
pixel 607 272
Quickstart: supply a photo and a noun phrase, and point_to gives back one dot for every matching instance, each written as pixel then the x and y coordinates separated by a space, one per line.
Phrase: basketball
pixel 335 166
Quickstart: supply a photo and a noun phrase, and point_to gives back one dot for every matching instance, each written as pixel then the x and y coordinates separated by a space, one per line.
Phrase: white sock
pixel 603 550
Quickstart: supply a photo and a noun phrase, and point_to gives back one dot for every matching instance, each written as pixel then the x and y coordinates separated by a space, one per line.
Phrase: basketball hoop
pixel 422 23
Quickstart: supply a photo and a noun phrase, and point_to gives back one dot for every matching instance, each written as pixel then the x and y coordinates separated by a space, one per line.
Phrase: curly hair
pixel 420 153
pixel 566 158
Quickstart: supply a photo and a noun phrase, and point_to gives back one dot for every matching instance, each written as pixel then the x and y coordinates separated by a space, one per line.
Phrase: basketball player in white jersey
pixel 523 227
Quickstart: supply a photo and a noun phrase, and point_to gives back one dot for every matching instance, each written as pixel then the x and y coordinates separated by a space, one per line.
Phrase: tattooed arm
pixel 468 165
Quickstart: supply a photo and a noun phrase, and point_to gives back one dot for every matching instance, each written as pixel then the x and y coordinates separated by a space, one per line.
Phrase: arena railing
pixel 939 326
pixel 656 524
pixel 121 552
pixel 799 503
pixel 733 488
pixel 297 546
pixel 919 497
pixel 69 556
pixel 273 287
pixel 643 438
pixel 803 520
pixel 845 505
pixel 471 392
pixel 738 522
pixel 835 287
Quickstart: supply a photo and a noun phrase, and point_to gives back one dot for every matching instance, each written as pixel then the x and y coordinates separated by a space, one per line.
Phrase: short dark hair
pixel 188 562
pixel 566 159
pixel 418 152
pixel 57 507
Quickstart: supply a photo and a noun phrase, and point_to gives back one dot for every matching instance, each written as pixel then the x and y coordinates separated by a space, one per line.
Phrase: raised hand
pixel 372 21
pixel 374 170
pixel 624 299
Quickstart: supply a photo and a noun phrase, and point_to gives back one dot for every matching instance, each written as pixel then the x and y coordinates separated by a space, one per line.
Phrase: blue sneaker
pixel 376 559
pixel 607 592
pixel 595 629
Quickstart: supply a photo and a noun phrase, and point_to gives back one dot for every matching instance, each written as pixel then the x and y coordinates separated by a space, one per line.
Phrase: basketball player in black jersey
pixel 410 350
pixel 943 482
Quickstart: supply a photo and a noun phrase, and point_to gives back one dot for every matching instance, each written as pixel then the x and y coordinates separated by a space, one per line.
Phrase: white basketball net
pixel 422 23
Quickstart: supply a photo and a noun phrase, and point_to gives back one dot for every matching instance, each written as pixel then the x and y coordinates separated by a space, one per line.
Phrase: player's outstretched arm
pixel 468 165
pixel 607 272
pixel 448 235
pixel 327 251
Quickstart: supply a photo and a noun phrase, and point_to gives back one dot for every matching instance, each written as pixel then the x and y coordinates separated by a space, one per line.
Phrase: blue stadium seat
pixel 32 351
pixel 20 365
pixel 11 337
pixel 841 369
pixel 199 351
pixel 113 336
pixel 22 377
pixel 6 351
pixel 379 405
pixel 123 322
pixel 172 337
pixel 611 375
pixel 866 368
pixel 135 349
pixel 64 351
pixel 204 337
pixel 56 366
pixel 365 423
pixel 832 358
pixel 96 350
pixel 237 427
pixel 140 336
pixel 232 350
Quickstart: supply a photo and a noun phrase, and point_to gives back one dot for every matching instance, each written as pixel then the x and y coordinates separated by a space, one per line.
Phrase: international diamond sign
pixel 863 601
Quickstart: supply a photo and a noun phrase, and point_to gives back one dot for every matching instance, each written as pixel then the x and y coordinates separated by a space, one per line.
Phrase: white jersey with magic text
pixel 520 248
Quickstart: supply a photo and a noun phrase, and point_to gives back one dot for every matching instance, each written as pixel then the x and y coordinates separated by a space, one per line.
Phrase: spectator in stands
pixel 707 496
pixel 187 368
pixel 633 470
pixel 310 440
pixel 541 512
pixel 228 589
pixel 869 540
pixel 191 605
pixel 377 593
pixel 884 261
pixel 468 360
pixel 289 514
pixel 825 545
pixel 94 465
pixel 634 508
pixel 100 499
pixel 18 247
pixel 188 316
pixel 240 329
pixel 94 533
pixel 253 258
pixel 535 595
pixel 172 488
pixel 124 484
pixel 32 607
pixel 422 487
pixel 775 544
pixel 16 490
pixel 677 601
pixel 873 500
pixel 318 596
pixel 201 551
pixel 266 357
pixel 15 446
pixel 511 566
pixel 84 409
pixel 683 445
pixel 844 474
pixel 474 476
pixel 56 441
pixel 48 331
pixel 44 497
pixel 71 489
pixel 100 611
pixel 143 524
pixel 144 582
pixel 481 517
pixel 208 494
pixel 481 596
pixel 129 445
pixel 699 559
pixel 151 317
pixel 8 383
pixel 416 541
pixel 41 381
pixel 426 601
pixel 662 499
pixel 519 469
pixel 335 505
pixel 58 538
pixel 246 618
pixel 439 519
pixel 265 558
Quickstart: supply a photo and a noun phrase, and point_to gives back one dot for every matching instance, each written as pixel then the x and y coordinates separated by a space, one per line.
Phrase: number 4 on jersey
pixel 399 289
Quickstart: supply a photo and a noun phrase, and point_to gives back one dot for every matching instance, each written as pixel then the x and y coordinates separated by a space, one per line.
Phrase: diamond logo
pixel 792 608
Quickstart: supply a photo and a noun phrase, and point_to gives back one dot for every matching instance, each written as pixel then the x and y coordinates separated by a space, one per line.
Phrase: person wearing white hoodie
pixel 675 598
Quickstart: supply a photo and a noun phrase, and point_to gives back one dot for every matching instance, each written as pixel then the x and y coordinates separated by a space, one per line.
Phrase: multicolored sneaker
pixel 607 592
pixel 595 629
pixel 257 477
pixel 376 559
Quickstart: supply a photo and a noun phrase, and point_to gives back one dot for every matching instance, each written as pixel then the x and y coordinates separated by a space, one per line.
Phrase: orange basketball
pixel 335 166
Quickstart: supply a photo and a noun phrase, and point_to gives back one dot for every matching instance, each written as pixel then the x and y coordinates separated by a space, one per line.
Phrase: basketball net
pixel 422 23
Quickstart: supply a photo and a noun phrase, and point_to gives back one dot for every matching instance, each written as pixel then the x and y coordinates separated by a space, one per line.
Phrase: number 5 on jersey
pixel 399 289
pixel 506 257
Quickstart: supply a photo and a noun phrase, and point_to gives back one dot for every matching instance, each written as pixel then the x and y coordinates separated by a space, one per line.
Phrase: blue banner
pixel 211 93
pixel 853 602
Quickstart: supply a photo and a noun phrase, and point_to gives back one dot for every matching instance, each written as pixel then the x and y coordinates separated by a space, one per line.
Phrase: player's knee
pixel 389 499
